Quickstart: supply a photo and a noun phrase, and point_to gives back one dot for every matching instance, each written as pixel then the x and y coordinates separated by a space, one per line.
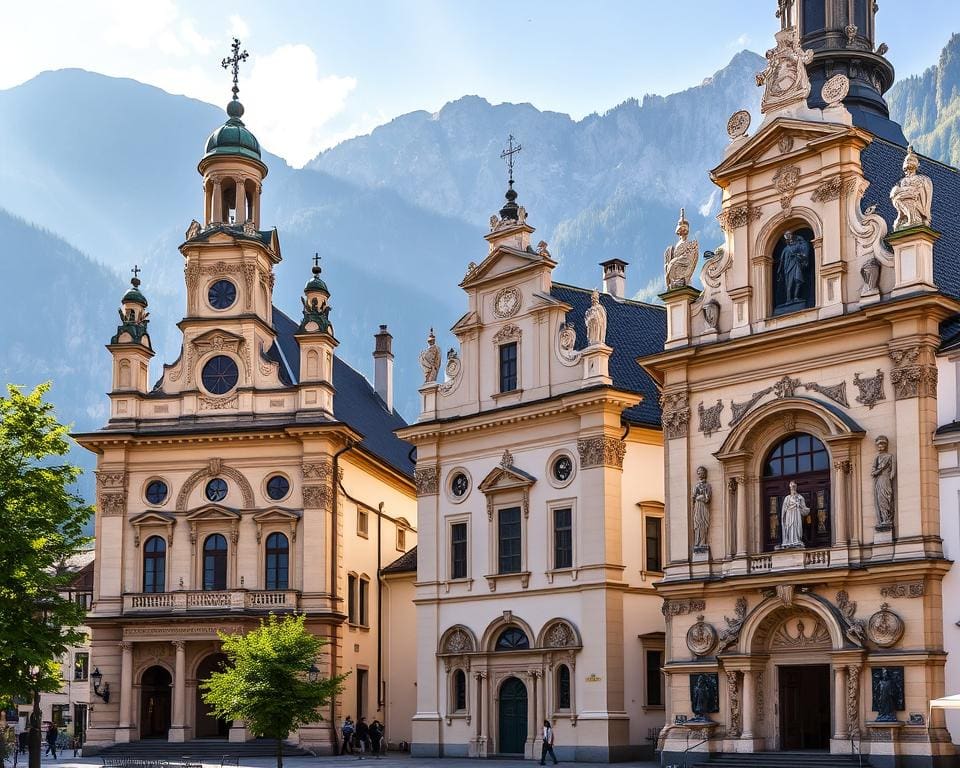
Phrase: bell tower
pixel 842 36
pixel 317 343
pixel 131 351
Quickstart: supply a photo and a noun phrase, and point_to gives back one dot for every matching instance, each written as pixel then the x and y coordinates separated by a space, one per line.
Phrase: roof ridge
pixel 618 300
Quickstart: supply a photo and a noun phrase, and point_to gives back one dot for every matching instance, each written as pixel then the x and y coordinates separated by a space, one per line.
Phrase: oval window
pixel 459 485
pixel 278 487
pixel 562 468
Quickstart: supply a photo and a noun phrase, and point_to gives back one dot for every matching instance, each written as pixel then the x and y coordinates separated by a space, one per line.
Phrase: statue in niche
pixel 430 359
pixel 794 262
pixel 792 512
pixel 884 471
pixel 703 696
pixel 887 693
pixel 701 511
pixel 913 195
pixel 596 319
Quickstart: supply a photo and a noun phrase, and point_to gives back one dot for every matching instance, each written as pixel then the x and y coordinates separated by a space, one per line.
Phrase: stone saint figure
pixel 596 319
pixel 701 511
pixel 887 697
pixel 793 267
pixel 430 359
pixel 883 472
pixel 913 195
pixel 702 698
pixel 792 512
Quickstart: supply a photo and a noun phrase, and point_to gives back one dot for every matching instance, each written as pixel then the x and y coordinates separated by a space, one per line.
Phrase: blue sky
pixel 324 71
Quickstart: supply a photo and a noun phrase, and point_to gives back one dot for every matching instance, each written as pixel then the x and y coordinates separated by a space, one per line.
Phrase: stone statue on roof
pixel 430 359
pixel 681 259
pixel 912 196
pixel 596 320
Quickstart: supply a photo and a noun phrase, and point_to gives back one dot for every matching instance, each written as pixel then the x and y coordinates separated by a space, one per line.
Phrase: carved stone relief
pixel 710 418
pixel 731 634
pixel 560 636
pixel 786 180
pixel 458 642
pixel 506 303
pixel 787 387
pixel 316 496
pixel 835 90
pixel 701 638
pixel 735 727
pixel 566 343
pixel 671 608
pixel 427 480
pixel 794 635
pixel 738 124
pixel 910 376
pixel 509 332
pixel 885 628
pixel 452 372
pixel 215 467
pixel 869 230
pixel 853 627
pixel 701 497
pixel 853 700
pixel 601 451
pixel 884 472
pixel 785 79
pixel 910 590
pixel 675 414
pixel 871 389
pixel 739 216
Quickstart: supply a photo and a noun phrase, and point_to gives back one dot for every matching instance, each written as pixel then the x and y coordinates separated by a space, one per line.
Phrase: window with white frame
pixel 363 522
pixel 458 550
pixel 652 554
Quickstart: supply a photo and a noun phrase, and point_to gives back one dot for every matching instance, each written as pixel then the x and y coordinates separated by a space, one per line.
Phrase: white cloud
pixel 741 42
pixel 288 101
pixel 708 204
pixel 239 28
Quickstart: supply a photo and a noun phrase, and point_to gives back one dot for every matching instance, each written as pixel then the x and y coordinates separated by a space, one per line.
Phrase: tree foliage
pixel 267 679
pixel 43 522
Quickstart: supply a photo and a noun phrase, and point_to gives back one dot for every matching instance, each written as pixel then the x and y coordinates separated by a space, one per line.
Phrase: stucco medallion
pixel 738 124
pixel 701 638
pixel 885 628
pixel 507 303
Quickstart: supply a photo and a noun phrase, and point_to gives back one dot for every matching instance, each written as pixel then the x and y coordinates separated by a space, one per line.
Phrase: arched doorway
pixel 512 717
pixel 803 459
pixel 209 726
pixel 155 703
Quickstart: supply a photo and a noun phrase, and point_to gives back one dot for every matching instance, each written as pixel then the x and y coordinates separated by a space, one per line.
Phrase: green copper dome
pixel 233 137
pixel 315 283
pixel 133 294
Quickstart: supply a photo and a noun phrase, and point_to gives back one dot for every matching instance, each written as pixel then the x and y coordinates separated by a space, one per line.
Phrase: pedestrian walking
pixel 52 734
pixel 363 736
pixel 547 743
pixel 376 737
pixel 346 732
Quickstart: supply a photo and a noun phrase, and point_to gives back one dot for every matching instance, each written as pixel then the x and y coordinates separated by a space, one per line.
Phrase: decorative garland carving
pixel 316 496
pixel 219 403
pixel 786 180
pixel 911 377
pixel 710 418
pixel 731 634
pixel 733 689
pixel 913 589
pixel 871 389
pixel 509 332
pixel 214 468
pixel 739 410
pixel 113 503
pixel 758 696
pixel 853 700
pixel 671 608
pixel 427 480
pixel 885 628
pixel 739 216
pixel 787 387
pixel 701 637
pixel 675 414
pixel 601 452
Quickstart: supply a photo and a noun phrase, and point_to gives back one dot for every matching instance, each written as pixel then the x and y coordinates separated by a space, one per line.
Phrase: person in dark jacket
pixel 376 737
pixel 52 734
pixel 363 735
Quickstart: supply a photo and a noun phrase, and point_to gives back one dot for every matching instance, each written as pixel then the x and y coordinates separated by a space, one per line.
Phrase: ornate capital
pixel 601 451
pixel 316 496
pixel 912 375
pixel 427 480
pixel 179 645
pixel 738 216
pixel 675 414
pixel 125 645
pixel 113 503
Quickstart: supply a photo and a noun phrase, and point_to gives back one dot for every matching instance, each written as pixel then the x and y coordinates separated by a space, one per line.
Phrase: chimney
pixel 614 277
pixel 383 366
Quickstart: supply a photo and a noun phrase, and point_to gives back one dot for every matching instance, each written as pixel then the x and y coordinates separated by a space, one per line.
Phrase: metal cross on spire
pixel 136 273
pixel 508 154
pixel 233 62
pixel 316 259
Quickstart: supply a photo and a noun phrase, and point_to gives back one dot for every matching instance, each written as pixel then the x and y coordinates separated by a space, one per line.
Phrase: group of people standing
pixel 360 738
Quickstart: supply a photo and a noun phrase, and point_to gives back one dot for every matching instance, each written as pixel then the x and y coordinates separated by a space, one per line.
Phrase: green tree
pixel 43 521
pixel 268 680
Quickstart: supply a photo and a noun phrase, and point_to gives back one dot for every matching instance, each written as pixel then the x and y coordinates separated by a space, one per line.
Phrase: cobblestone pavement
pixel 391 761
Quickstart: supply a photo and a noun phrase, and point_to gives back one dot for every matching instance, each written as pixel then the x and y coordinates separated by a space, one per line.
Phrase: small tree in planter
pixel 270 679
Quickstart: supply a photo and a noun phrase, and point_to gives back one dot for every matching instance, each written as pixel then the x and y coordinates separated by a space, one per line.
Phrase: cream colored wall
pixel 400 653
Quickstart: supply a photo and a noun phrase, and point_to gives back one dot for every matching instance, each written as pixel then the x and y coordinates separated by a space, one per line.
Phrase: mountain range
pixel 99 173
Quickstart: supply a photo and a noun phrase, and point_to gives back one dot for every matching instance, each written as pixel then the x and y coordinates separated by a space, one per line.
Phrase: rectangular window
pixel 361 694
pixel 363 603
pixel 508 367
pixel 509 540
pixel 654 679
pixel 458 551
pixel 562 538
pixel 351 598
pixel 85 599
pixel 654 543
pixel 402 539
pixel 58 712
pixel 362 522
pixel 81 666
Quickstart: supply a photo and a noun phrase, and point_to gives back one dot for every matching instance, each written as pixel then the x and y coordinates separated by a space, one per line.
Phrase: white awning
pixel 947 702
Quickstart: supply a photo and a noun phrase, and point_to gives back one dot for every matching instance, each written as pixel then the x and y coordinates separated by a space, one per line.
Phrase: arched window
pixel 563 687
pixel 802 459
pixel 277 561
pixel 794 271
pixel 512 639
pixel 154 565
pixel 459 690
pixel 215 562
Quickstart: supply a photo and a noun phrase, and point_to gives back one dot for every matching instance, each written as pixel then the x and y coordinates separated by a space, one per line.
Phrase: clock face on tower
pixel 506 303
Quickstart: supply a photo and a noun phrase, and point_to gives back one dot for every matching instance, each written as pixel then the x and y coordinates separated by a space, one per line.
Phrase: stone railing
pixel 817 558
pixel 760 563
pixel 183 601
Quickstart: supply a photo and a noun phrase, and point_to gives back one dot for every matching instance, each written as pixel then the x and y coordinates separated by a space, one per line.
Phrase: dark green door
pixel 513 717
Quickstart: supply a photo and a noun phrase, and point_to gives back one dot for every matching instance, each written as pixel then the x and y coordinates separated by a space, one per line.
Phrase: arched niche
pixel 769 296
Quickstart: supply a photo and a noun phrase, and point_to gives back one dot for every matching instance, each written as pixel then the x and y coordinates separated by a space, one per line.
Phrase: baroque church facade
pixel 259 475
pixel 806 581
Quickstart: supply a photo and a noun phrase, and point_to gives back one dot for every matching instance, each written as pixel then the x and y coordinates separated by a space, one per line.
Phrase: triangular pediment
pixel 213 513
pixel 153 518
pixel 505 479
pixel 276 515
pixel 783 137
pixel 504 260
pixel 212 336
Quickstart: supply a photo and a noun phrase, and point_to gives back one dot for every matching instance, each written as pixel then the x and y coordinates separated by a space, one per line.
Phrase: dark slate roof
pixel 406 563
pixel 634 330
pixel 882 166
pixel 355 403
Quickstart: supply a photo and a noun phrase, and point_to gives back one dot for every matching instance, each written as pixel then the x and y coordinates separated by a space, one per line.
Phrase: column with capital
pixel 738 485
pixel 478 746
pixel 240 197
pixel 178 730
pixel 126 693
pixel 840 730
pixel 217 202
pixel 532 720
pixel 749 705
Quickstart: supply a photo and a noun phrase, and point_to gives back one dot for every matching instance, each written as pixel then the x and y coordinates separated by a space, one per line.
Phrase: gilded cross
pixel 233 62
pixel 508 154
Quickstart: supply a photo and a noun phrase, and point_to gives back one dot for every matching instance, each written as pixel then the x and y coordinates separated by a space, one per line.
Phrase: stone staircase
pixel 779 760
pixel 200 750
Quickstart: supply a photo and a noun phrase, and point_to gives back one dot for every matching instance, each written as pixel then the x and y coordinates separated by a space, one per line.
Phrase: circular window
pixel 278 487
pixel 562 468
pixel 216 489
pixel 156 492
pixel 459 485
pixel 220 375
pixel 222 294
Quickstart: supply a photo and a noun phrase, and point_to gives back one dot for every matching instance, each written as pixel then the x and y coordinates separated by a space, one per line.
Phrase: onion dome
pixel 233 137
pixel 133 295
pixel 315 284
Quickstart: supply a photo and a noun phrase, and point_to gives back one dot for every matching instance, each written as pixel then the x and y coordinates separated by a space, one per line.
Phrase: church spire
pixel 232 62
pixel 510 210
